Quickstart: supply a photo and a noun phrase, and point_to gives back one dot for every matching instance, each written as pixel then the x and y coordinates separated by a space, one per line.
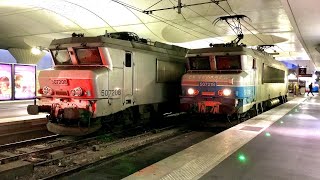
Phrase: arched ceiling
pixel 290 25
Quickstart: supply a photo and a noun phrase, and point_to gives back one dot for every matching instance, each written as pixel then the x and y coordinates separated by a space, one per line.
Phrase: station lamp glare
pixel 35 50
pixel 281 122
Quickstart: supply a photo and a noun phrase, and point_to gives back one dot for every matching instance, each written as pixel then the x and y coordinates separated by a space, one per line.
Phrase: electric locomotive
pixel 232 80
pixel 95 77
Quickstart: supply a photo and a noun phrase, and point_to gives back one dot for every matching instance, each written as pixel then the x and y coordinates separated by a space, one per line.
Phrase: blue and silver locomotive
pixel 232 80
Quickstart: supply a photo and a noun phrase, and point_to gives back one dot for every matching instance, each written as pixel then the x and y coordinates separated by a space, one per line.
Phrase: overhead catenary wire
pixel 249 25
pixel 166 21
pixel 240 22
pixel 198 25
pixel 145 24
pixel 153 5
pixel 177 26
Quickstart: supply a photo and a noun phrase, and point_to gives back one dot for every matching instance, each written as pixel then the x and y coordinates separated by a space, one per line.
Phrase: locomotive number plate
pixel 207 84
pixel 59 81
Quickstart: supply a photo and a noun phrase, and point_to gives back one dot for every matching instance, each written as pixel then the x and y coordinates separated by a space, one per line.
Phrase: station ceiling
pixel 293 26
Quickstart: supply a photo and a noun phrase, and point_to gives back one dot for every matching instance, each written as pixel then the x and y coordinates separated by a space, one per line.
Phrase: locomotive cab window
pixel 199 63
pixel 228 62
pixel 89 56
pixel 61 57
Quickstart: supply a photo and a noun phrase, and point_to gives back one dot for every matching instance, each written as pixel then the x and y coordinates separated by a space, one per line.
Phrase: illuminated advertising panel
pixel 24 81
pixel 5 82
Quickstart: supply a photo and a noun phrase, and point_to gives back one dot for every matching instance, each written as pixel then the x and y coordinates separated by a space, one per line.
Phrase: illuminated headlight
pixel 76 91
pixel 47 91
pixel 191 91
pixel 226 92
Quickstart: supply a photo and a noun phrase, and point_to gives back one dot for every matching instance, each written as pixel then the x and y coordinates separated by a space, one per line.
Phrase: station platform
pixel 282 143
pixel 14 111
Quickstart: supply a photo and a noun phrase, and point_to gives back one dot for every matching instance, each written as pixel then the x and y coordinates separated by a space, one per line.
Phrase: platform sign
pixel 302 71
pixel 24 81
pixel 5 81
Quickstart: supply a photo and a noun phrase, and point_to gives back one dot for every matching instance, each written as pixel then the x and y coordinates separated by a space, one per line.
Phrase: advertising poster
pixel 24 81
pixel 5 82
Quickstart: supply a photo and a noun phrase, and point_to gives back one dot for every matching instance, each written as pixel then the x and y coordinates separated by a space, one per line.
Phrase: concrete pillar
pixel 24 56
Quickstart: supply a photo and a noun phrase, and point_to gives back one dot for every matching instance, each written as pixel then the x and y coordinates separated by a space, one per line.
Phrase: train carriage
pixel 232 80
pixel 95 77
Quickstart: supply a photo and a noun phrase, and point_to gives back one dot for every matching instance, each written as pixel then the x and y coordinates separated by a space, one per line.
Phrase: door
pixel 128 79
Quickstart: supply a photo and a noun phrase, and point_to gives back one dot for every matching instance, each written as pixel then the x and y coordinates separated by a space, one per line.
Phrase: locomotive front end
pixel 67 95
pixel 70 92
pixel 216 82
pixel 205 93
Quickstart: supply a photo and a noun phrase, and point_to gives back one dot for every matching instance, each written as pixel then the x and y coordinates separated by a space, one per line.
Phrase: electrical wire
pixel 166 21
pixel 251 26
pixel 153 5
pixel 198 25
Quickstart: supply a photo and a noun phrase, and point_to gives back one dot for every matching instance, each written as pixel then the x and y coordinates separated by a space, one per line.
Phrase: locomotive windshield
pixel 228 62
pixel 199 63
pixel 89 56
pixel 61 57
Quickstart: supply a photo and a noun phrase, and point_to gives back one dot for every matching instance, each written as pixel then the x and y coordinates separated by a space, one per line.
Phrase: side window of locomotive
pixel 228 62
pixel 272 75
pixel 199 63
pixel 254 64
pixel 128 59
pixel 89 56
pixel 61 57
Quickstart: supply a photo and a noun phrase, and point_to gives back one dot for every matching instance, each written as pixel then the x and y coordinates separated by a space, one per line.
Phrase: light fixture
pixel 38 49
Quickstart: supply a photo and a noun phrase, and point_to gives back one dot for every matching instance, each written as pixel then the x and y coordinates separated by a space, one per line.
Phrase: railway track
pixel 27 142
pixel 11 132
pixel 106 152
pixel 62 156
pixel 59 156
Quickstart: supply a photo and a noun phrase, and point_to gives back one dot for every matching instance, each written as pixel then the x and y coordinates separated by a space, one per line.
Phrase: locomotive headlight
pixel 226 92
pixel 76 91
pixel 191 91
pixel 47 91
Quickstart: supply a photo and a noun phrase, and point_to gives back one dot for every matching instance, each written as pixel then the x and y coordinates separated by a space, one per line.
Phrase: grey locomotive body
pixel 95 77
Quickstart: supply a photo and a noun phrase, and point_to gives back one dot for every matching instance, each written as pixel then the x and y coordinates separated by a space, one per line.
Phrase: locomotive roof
pixel 106 41
pixel 236 49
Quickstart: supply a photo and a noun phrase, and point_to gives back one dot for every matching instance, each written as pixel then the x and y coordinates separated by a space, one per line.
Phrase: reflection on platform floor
pixel 10 109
